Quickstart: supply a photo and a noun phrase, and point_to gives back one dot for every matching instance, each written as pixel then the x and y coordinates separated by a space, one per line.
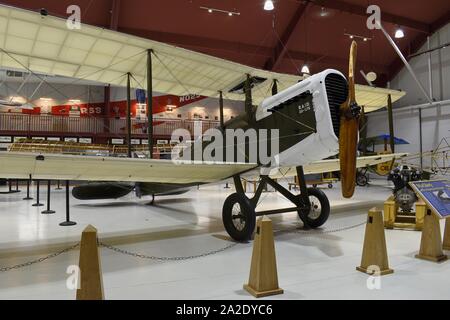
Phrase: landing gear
pixel 319 210
pixel 362 178
pixel 239 215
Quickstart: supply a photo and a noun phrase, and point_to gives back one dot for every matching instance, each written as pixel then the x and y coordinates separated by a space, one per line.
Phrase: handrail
pixel 29 124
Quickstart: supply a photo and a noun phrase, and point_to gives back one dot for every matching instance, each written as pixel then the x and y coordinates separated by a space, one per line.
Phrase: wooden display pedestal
pixel 431 243
pixel 446 244
pixel 263 280
pixel 91 281
pixel 393 219
pixel 374 251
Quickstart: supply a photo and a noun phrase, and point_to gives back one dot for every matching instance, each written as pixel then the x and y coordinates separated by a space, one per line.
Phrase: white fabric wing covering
pixel 334 165
pixel 79 168
pixel 46 46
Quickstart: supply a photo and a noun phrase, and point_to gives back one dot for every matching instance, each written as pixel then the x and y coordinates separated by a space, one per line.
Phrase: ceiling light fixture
pixel 399 33
pixel 355 36
pixel 305 69
pixel 229 13
pixel 268 5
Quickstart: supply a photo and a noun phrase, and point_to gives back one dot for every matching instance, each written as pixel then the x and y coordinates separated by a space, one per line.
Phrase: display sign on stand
pixel 436 194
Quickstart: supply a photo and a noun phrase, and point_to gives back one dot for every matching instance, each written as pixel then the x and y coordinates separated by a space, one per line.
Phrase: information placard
pixel 436 194
pixel 117 141
pixel 85 140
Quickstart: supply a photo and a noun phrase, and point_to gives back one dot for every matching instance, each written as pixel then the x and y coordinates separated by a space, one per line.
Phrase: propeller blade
pixel 349 130
pixel 391 129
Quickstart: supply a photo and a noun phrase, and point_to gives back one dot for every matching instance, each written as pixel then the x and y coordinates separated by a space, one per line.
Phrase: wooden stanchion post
pixel 263 280
pixel 421 210
pixel 431 243
pixel 91 283
pixel 374 251
pixel 390 212
pixel 446 244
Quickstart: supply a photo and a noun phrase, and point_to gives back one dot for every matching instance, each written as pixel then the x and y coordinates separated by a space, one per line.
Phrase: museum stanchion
pixel 91 282
pixel 374 256
pixel 28 197
pixel 48 211
pixel 38 187
pixel 58 187
pixel 431 242
pixel 263 280
pixel 446 244
pixel 17 186
pixel 67 223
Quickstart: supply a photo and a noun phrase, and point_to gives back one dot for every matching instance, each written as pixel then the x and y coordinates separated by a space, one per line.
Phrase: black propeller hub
pixel 354 111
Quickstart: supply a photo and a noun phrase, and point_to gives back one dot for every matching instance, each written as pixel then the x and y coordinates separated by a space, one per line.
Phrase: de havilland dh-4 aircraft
pixel 317 118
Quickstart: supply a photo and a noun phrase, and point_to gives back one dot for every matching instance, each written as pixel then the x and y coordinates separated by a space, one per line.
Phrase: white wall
pixel 440 72
pixel 435 120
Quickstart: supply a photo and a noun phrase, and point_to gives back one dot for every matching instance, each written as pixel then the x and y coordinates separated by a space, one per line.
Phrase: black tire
pixel 239 228
pixel 362 180
pixel 320 210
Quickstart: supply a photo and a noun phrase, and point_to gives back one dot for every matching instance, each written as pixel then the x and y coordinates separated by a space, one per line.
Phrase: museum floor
pixel 313 265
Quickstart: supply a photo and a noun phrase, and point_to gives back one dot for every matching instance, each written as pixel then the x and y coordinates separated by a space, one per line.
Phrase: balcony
pixel 95 127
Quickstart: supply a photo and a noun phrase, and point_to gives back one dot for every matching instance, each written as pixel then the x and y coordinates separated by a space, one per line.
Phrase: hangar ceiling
pixel 297 32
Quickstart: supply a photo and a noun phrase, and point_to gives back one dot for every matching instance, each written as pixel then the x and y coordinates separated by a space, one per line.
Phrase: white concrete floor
pixel 313 265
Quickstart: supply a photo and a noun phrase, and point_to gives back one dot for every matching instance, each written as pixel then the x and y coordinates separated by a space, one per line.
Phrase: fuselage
pixel 306 116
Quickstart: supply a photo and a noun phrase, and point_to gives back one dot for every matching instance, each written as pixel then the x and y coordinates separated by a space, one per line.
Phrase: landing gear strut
pixel 239 212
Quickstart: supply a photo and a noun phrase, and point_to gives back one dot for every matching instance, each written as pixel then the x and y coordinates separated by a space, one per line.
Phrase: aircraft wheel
pixel 239 217
pixel 319 211
pixel 362 180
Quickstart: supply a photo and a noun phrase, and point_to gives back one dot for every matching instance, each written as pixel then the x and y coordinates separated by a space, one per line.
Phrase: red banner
pixel 117 109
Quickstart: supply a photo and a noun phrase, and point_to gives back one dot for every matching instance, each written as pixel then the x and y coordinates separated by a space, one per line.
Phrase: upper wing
pixel 333 165
pixel 59 167
pixel 45 45
pixel 374 99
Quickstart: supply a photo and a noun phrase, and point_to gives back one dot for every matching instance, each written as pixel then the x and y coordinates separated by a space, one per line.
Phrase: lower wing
pixel 333 165
pixel 79 168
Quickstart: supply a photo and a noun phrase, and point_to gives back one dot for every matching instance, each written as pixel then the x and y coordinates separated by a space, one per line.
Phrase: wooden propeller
pixel 349 130
pixel 391 129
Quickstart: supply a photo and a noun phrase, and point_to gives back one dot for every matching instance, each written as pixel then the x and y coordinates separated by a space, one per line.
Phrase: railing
pixel 42 124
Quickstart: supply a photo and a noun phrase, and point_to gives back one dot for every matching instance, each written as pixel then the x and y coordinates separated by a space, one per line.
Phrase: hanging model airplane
pixel 317 118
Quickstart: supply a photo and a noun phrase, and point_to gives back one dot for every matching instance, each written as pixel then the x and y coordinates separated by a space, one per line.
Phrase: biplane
pixel 318 117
